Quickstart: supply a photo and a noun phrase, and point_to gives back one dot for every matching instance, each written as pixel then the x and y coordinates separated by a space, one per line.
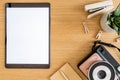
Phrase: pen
pixel 64 75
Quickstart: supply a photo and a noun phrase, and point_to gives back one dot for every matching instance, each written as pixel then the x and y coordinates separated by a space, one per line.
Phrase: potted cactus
pixel 110 21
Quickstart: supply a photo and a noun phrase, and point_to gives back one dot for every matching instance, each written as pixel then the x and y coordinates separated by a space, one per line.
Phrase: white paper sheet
pixel 27 36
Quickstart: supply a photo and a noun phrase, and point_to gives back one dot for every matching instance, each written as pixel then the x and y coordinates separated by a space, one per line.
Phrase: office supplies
pixel 98 8
pixel 85 27
pixel 99 34
pixel 66 71
pixel 27 35
pixel 118 40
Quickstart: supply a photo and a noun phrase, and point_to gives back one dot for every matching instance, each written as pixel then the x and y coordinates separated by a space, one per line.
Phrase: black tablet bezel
pixel 19 5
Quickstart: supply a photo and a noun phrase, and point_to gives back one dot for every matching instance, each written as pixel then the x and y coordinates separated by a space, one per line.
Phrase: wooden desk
pixel 69 43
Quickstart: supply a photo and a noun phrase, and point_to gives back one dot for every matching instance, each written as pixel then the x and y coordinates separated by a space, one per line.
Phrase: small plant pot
pixel 104 25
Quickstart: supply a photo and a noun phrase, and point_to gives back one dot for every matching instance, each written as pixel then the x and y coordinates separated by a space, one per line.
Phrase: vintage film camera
pixel 100 65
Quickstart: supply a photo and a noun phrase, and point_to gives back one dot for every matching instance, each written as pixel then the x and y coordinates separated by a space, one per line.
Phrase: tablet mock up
pixel 27 35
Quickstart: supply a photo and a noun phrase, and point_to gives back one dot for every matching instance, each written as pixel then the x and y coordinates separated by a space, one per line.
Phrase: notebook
pixel 66 72
pixel 27 35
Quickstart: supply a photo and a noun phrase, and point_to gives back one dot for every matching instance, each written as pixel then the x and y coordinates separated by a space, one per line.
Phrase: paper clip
pixel 85 27
pixel 118 40
pixel 99 34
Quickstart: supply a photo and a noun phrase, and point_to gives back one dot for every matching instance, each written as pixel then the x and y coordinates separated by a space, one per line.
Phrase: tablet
pixel 27 35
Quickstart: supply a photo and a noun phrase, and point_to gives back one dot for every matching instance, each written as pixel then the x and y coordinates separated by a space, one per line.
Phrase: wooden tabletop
pixel 69 43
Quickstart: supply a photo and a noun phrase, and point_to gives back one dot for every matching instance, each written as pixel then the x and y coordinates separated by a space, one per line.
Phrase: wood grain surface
pixel 69 43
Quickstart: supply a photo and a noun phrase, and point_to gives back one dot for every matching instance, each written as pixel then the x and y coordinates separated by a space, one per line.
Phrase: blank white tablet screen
pixel 27 35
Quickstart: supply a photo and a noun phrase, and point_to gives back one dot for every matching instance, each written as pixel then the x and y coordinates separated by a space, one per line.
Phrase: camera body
pixel 100 65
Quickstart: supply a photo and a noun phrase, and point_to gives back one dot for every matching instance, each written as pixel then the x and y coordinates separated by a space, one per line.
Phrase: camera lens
pixel 118 68
pixel 101 74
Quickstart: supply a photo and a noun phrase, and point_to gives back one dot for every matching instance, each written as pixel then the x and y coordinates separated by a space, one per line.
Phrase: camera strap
pixel 103 43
